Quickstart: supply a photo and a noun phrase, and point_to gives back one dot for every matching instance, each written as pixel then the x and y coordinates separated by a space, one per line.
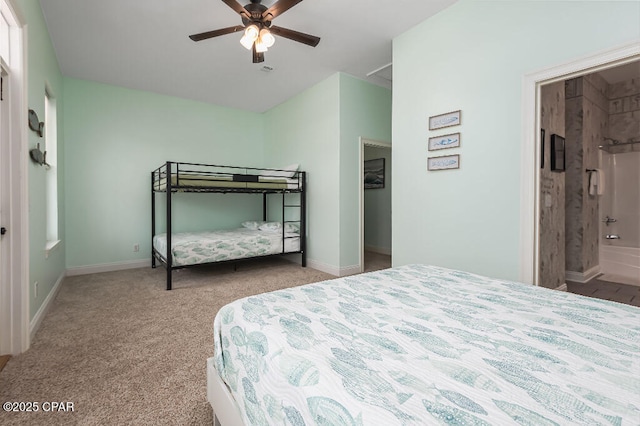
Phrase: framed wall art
pixel 374 174
pixel 444 142
pixel 444 162
pixel 445 120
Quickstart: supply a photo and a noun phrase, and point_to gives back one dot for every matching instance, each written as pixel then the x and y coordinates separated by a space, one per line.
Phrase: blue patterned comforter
pixel 420 345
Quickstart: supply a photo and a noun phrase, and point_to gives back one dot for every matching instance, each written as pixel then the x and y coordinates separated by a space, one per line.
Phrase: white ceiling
pixel 144 44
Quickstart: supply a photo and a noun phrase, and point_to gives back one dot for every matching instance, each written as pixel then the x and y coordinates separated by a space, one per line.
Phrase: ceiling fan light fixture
pixel 250 35
pixel 266 37
pixel 261 47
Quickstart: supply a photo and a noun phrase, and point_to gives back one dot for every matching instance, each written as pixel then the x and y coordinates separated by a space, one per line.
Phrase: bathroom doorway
pixel 589 213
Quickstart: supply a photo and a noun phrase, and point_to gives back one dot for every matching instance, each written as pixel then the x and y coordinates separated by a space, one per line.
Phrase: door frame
pixel 372 143
pixel 530 160
pixel 15 294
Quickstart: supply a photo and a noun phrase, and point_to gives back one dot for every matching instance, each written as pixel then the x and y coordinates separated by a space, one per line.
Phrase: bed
pixel 419 344
pixel 189 249
pixel 195 248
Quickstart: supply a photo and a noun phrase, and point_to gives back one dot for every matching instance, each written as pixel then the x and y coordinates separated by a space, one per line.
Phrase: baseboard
pixel 582 277
pixel 563 287
pixel 334 270
pixel 108 267
pixel 39 316
pixel 380 250
pixel 350 270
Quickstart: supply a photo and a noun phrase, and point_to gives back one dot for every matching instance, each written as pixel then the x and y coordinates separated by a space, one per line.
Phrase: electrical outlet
pixel 136 248
pixel 35 289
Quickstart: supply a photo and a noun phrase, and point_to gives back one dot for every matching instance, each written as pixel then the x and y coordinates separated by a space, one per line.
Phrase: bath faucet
pixel 607 220
pixel 612 237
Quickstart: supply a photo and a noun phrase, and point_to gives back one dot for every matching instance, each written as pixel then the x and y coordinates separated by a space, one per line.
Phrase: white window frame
pixel 51 149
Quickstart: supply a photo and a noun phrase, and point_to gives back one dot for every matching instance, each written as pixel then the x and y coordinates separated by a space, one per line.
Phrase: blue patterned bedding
pixel 194 248
pixel 418 345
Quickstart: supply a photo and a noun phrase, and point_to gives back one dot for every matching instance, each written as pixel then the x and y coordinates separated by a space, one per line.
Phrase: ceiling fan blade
pixel 279 8
pixel 257 56
pixel 233 4
pixel 295 35
pixel 216 33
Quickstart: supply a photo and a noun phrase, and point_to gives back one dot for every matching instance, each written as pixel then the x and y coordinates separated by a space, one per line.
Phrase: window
pixel 51 146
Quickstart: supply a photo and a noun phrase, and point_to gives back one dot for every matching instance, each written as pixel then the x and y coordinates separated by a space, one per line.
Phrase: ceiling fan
pixel 258 31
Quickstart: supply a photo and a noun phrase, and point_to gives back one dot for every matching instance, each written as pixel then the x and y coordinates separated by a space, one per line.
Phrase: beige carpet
pixel 127 352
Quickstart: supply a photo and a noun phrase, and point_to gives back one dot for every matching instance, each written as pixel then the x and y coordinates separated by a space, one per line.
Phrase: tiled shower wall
pixel 587 119
pixel 552 191
pixel 624 112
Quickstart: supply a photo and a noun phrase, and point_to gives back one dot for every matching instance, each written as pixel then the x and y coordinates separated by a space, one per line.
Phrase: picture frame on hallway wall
pixel 444 142
pixel 374 174
pixel 557 152
pixel 444 162
pixel 448 119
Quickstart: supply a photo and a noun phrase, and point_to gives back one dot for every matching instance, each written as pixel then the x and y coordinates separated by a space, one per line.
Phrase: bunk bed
pixel 253 240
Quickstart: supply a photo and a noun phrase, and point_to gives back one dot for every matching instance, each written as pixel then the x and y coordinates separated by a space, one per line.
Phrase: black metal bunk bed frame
pixel 185 173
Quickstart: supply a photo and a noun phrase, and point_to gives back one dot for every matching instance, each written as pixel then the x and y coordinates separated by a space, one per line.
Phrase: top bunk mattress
pixel 224 182
pixel 419 345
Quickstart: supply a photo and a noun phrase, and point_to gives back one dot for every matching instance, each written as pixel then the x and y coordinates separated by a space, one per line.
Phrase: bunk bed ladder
pixel 168 255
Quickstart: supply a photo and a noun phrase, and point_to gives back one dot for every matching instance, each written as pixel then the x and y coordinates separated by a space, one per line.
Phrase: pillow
pixel 292 228
pixel 252 224
pixel 287 172
pixel 270 226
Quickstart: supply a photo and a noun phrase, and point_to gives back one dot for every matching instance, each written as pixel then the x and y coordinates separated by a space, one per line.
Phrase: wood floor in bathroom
pixel 622 293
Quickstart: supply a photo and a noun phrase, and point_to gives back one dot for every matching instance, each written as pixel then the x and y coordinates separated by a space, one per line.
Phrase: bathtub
pixel 620 261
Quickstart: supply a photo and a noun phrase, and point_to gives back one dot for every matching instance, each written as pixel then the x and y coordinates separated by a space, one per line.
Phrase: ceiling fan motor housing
pixel 256 9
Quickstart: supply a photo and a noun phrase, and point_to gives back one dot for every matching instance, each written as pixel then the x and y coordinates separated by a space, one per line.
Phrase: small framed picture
pixel 444 162
pixel 557 153
pixel 374 174
pixel 445 120
pixel 444 142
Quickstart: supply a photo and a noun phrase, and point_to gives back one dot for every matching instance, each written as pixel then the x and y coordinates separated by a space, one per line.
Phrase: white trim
pixel 17 302
pixel 44 308
pixel 530 160
pixel 50 246
pixel 377 144
pixel 562 287
pixel 582 277
pixel 108 267
pixel 333 270
pixel 323 267
pixel 380 250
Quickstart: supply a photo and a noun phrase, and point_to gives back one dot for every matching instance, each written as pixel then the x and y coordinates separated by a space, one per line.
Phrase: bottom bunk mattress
pixel 419 345
pixel 194 248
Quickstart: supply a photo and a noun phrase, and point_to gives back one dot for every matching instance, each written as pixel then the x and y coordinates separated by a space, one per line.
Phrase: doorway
pixel 531 201
pixel 375 205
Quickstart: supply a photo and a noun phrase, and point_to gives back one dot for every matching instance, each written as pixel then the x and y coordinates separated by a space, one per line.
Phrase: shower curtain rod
pixel 617 143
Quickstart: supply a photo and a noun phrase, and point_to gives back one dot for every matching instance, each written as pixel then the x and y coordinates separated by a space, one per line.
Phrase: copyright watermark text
pixel 35 406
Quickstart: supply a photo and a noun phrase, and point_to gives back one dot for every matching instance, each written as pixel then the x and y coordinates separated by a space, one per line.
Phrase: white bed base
pixel 225 409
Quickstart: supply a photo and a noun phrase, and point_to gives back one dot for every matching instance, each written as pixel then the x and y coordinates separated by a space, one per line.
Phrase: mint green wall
pixel 365 111
pixel 377 205
pixel 115 137
pixel 306 130
pixel 43 71
pixel 320 129
pixel 472 56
